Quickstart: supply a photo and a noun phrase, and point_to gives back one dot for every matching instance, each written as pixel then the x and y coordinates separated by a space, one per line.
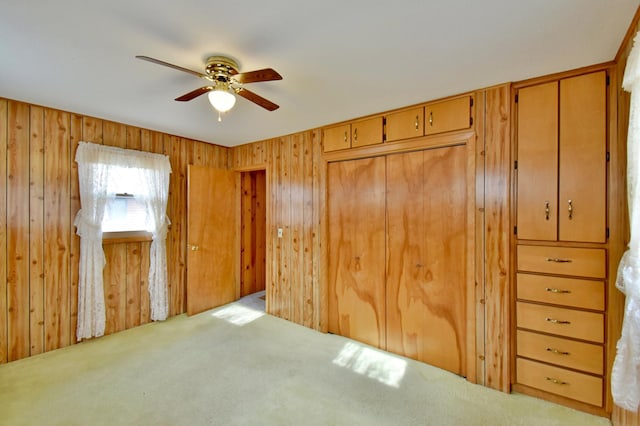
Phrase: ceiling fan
pixel 225 80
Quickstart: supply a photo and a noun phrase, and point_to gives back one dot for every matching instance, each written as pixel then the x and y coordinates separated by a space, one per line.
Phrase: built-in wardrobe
pixel 401 235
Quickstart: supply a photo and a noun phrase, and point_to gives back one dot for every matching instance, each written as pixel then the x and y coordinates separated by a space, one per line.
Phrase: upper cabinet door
pixel 366 132
pixel 405 124
pixel 336 137
pixel 448 116
pixel 583 158
pixel 537 156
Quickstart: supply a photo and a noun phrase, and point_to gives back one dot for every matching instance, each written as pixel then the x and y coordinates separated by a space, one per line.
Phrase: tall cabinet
pixel 561 240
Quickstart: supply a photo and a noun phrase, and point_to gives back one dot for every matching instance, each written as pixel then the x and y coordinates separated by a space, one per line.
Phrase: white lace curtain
pixel 625 376
pixel 97 164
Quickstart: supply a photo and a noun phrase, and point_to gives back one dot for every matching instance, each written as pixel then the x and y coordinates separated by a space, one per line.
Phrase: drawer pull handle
pixel 557 290
pixel 558 260
pixel 556 321
pixel 546 210
pixel 570 209
pixel 431 118
pixel 556 381
pixel 355 134
pixel 417 123
pixel 557 351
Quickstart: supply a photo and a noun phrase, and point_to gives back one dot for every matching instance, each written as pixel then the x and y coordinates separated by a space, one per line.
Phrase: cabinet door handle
pixel 431 118
pixel 570 209
pixel 345 135
pixel 355 134
pixel 417 123
pixel 546 210
pixel 556 381
pixel 557 290
pixel 558 260
pixel 557 351
pixel 556 321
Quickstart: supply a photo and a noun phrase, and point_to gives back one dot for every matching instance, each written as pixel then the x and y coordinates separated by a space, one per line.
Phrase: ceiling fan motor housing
pixel 221 68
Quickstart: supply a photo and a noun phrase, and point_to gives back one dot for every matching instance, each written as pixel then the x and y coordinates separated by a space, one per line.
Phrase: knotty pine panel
pixel 36 229
pixel 3 229
pixel 39 199
pixel 496 233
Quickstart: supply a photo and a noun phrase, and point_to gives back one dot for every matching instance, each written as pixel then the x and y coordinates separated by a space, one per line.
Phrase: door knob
pixel 193 248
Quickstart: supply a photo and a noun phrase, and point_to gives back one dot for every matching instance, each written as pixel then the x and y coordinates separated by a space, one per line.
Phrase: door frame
pixel 268 253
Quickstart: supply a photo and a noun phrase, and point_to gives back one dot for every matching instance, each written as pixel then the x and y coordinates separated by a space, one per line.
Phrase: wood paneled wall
pixel 294 196
pixel 620 417
pixel 39 198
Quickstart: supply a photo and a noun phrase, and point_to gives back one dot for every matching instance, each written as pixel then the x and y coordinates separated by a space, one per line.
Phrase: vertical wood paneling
pixel 172 148
pixel 308 167
pixel 57 229
pixel 18 231
pixel 36 230
pixel 296 264
pixel 497 231
pixel 284 213
pixel 4 125
pixel 74 239
pixel 39 198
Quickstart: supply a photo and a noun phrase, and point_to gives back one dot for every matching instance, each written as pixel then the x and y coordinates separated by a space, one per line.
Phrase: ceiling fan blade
pixel 194 93
pixel 267 74
pixel 175 67
pixel 257 99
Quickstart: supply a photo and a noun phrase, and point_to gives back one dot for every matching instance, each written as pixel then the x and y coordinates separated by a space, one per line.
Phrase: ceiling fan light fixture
pixel 222 100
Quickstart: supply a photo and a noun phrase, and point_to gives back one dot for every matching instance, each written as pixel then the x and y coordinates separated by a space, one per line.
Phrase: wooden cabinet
pixel 398 253
pixel 561 235
pixel 359 133
pixel 426 252
pixel 561 160
pixel 366 132
pixel 336 138
pixel 447 116
pixel 356 211
pixel 405 124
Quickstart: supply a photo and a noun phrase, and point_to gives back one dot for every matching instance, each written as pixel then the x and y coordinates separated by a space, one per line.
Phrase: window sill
pixel 126 237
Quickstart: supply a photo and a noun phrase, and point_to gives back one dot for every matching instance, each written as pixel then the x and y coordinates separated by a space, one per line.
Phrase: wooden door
pixel 336 138
pixel 583 158
pixel 212 238
pixel 356 200
pixel 427 259
pixel 537 156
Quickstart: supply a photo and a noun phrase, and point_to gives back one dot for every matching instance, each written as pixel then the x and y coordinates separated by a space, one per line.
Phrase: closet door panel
pixel 426 281
pixel 405 300
pixel 356 201
pixel 444 266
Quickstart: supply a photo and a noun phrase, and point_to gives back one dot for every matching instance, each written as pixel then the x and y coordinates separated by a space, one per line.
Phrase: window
pixel 125 212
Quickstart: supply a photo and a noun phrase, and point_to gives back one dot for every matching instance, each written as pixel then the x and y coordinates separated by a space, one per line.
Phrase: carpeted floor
pixel 236 366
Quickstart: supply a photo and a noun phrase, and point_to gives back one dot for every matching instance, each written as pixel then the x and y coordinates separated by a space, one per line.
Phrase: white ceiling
pixel 339 59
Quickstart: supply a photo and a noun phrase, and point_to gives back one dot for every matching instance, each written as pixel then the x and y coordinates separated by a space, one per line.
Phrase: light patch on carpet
pixel 377 365
pixel 237 314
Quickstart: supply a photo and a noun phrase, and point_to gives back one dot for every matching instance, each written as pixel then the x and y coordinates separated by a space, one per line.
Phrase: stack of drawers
pixel 560 321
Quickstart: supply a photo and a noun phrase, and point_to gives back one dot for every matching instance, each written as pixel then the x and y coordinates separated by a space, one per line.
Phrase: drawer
pixel 581 262
pixel 561 291
pixel 559 351
pixel 556 380
pixel 447 116
pixel 561 321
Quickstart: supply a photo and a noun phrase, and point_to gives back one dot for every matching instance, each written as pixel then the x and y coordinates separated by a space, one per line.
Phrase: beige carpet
pixel 236 366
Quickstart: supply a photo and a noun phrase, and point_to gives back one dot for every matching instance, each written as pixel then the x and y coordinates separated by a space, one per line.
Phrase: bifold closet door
pixel 426 251
pixel 356 219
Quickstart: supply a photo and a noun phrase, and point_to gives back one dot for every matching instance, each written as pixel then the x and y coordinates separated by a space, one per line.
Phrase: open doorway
pixel 253 221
